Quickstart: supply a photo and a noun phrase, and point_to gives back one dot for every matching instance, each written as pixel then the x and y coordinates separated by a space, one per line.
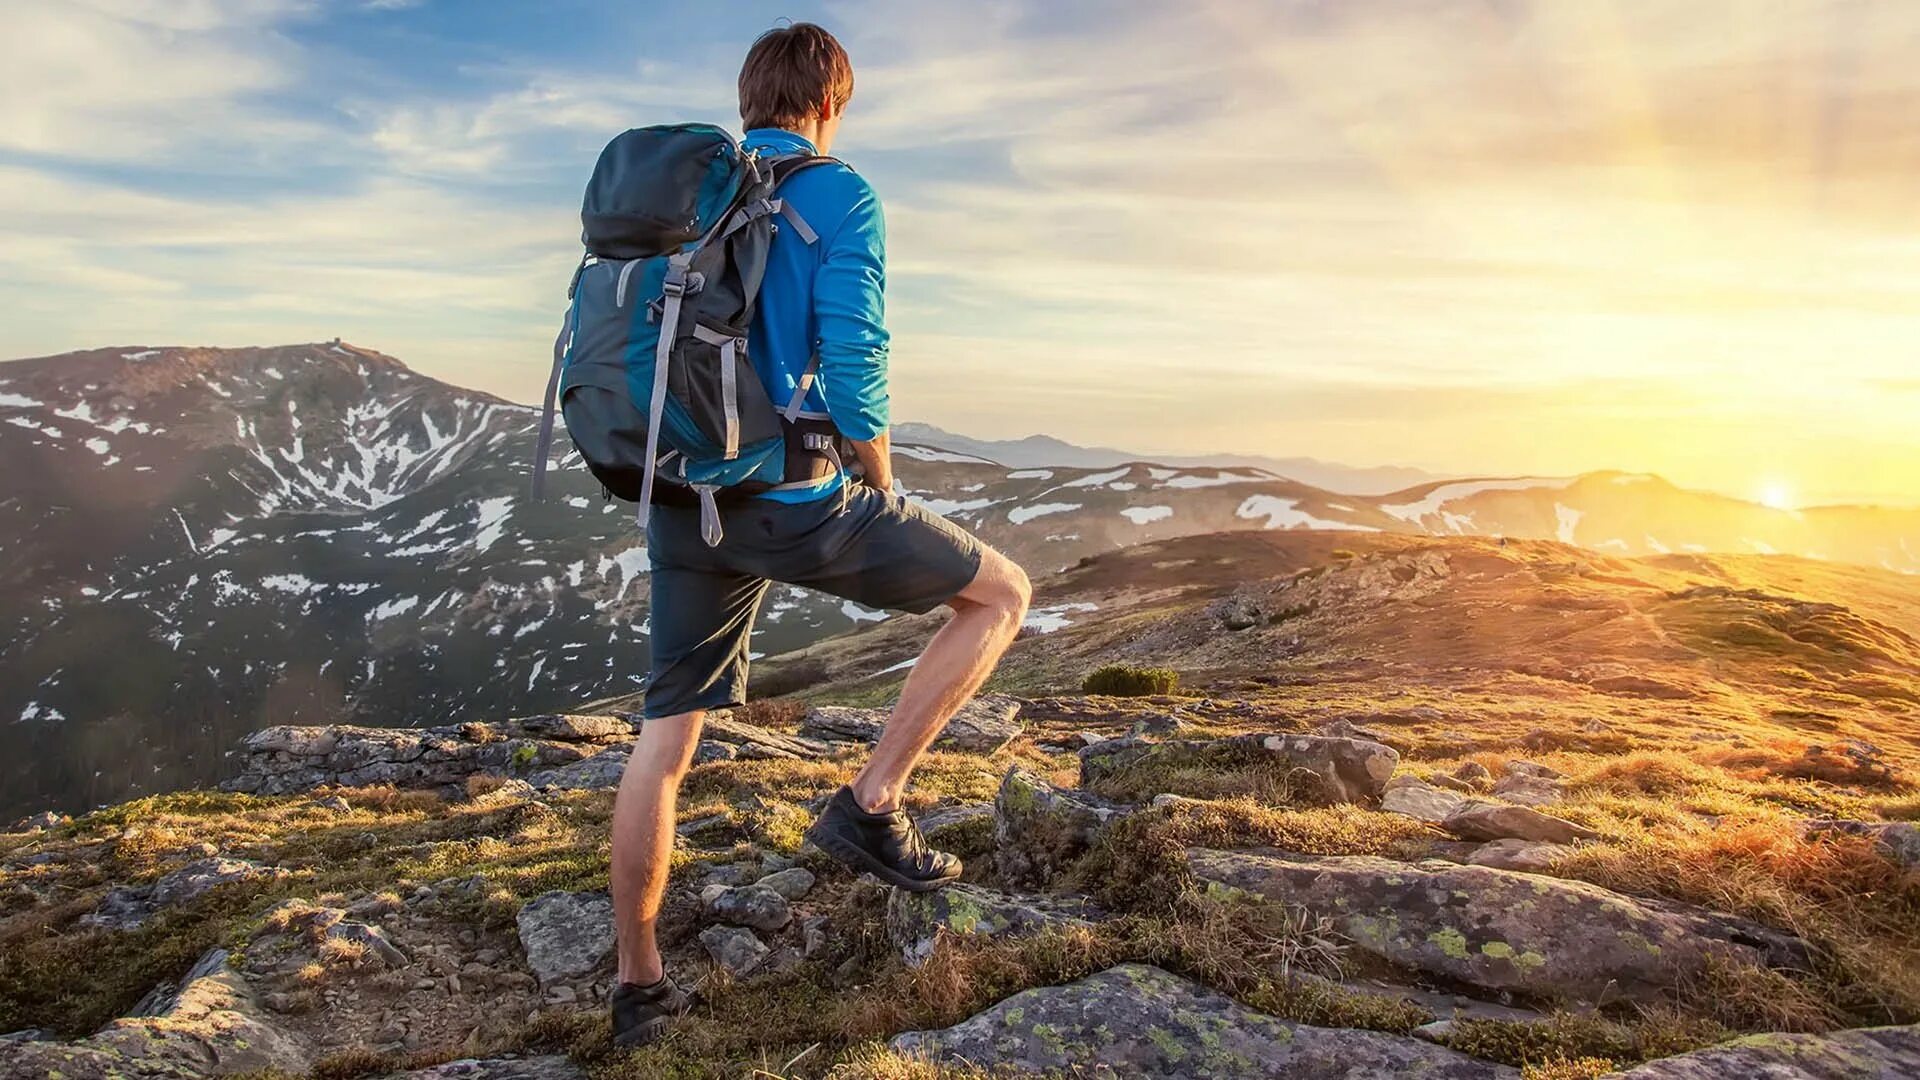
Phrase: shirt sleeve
pixel 850 311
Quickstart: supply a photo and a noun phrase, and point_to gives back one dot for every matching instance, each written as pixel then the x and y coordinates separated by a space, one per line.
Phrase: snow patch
pixel 1030 474
pixel 493 519
pixel 1046 620
pixel 143 354
pixel 928 453
pixel 1189 480
pixel 390 608
pixel 860 614
pixel 950 507
pixel 1096 479
pixel 1141 515
pixel 1466 489
pixel 1286 514
pixel 1568 519
pixel 1020 515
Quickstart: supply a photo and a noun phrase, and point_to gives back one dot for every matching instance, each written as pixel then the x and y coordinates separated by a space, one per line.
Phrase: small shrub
pixel 1125 680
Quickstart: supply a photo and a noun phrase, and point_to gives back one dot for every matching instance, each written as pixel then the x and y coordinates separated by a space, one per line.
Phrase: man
pixel 853 539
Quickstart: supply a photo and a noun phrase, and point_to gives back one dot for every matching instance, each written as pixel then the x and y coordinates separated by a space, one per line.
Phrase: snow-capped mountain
pixel 201 542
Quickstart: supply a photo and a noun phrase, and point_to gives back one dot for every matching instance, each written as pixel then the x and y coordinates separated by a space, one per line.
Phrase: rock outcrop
pixel 128 906
pixel 567 936
pixel 548 1067
pixel 1498 930
pixel 982 726
pixel 915 921
pixel 1039 829
pixel 212 1026
pixel 1493 821
pixel 1347 769
pixel 1139 1021
pixel 1889 1053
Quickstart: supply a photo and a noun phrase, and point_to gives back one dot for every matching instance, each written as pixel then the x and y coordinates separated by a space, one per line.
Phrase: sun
pixel 1777 494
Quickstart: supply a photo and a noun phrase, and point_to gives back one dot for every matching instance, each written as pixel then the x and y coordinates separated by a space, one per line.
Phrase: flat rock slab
pixel 982 726
pixel 1492 821
pixel 1349 770
pixel 1889 1053
pixel 1415 798
pixel 753 742
pixel 1528 856
pixel 212 1026
pixel 567 936
pixel 1140 1021
pixel 1499 930
pixel 915 921
pixel 550 1067
pixel 602 770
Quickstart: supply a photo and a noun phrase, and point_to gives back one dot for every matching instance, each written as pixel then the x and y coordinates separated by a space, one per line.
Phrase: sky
pixel 1477 236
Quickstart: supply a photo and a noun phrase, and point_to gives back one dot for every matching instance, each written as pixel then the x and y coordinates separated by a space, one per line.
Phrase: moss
pixel 1125 680
pixel 1449 941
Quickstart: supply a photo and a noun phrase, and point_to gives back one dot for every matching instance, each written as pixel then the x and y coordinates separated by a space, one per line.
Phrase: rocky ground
pixel 1340 872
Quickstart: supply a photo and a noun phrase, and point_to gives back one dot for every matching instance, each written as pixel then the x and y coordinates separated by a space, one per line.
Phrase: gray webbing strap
pixel 710 529
pixel 799 223
pixel 799 399
pixel 543 443
pixel 674 287
pixel 729 383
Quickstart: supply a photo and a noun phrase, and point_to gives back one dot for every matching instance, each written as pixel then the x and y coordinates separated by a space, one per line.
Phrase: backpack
pixel 650 369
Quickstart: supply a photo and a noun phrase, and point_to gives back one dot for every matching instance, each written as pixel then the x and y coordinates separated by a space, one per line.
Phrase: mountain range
pixel 202 542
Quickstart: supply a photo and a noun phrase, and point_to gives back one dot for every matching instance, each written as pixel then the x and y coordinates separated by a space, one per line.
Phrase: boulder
pixel 573 727
pixel 1530 790
pixel 126 907
pixel 755 743
pixel 1474 773
pixel 915 921
pixel 952 817
pixel 736 950
pixel 1039 829
pixel 1888 1053
pixel 602 770
pixel 211 1025
pixel 792 883
pixel 1140 1021
pixel 982 726
pixel 1499 930
pixel 1897 840
pixel 548 1067
pixel 567 936
pixel 747 905
pixel 1521 767
pixel 1416 798
pixel 1529 856
pixel 1492 821
pixel 1349 770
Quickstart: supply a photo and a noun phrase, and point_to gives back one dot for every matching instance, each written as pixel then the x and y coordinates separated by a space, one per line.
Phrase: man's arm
pixel 876 460
pixel 849 300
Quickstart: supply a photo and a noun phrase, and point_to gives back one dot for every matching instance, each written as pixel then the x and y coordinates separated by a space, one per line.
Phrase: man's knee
pixel 666 745
pixel 1002 585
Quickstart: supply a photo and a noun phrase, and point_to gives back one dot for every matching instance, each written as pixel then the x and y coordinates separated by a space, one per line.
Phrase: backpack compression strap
pixel 543 443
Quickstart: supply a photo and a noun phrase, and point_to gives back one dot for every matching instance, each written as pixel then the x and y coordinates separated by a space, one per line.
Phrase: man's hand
pixel 876 458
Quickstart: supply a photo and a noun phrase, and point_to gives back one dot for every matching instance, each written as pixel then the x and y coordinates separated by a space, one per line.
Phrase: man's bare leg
pixel 986 616
pixel 643 819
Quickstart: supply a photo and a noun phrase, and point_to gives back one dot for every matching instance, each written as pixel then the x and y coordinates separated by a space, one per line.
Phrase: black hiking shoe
pixel 641 1013
pixel 888 846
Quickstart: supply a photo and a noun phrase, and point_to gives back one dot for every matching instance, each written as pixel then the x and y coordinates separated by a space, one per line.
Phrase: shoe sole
pixel 856 857
pixel 642 1034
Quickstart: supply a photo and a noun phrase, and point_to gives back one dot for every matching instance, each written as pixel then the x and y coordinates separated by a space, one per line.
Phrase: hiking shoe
pixel 888 846
pixel 641 1013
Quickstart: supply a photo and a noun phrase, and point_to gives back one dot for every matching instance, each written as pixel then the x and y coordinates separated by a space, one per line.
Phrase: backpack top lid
pixel 657 189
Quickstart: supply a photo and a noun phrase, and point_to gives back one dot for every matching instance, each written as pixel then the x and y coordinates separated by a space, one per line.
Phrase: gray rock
pixel 1520 767
pixel 1530 790
pixel 26 1035
pixel 1497 929
pixel 567 936
pixel 1039 829
pixel 1491 821
pixel 373 938
pixel 574 727
pixel 948 817
pixel 748 905
pixel 792 883
pixel 1897 840
pixel 1140 1021
pixel 1349 770
pixel 42 821
pixel 602 770
pixel 1238 612
pixel 1888 1053
pixel 1528 856
pixel 1416 798
pixel 982 726
pixel 211 1025
pixel 1473 773
pixel 915 921
pixel 736 950
pixel 755 743
pixel 126 907
pixel 710 751
pixel 550 1067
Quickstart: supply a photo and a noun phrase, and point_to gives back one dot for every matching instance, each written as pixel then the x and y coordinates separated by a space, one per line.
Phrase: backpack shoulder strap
pixel 785 166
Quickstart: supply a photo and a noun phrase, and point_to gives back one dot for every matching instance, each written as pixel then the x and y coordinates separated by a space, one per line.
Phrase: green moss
pixel 1449 941
pixel 1125 680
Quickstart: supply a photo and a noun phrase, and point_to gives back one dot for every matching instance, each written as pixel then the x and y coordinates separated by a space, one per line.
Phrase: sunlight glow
pixel 1777 494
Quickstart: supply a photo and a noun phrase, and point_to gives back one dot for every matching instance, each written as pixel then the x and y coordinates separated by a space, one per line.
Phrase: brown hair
pixel 788 72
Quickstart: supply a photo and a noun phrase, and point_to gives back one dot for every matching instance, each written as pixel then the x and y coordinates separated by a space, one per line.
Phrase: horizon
pixel 1524 239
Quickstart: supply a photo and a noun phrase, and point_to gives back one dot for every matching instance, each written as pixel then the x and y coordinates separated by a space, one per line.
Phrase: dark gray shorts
pixel 882 552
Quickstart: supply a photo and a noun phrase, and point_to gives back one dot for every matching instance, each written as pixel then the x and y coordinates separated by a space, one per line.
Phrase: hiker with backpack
pixel 725 338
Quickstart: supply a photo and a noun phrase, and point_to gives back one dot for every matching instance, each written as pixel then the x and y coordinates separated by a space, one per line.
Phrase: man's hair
pixel 788 72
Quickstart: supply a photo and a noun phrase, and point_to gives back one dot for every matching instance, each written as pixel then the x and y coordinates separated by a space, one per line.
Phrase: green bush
pixel 1125 680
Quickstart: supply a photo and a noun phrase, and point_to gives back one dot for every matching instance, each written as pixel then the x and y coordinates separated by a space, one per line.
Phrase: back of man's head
pixel 790 73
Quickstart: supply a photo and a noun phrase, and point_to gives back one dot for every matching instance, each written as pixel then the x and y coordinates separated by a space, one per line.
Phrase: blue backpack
pixel 650 369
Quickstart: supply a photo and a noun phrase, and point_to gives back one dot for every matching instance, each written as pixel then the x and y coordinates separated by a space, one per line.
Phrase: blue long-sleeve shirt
pixel 828 297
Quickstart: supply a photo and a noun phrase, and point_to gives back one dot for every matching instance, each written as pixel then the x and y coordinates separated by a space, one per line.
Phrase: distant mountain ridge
pixel 203 542
pixel 1042 450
